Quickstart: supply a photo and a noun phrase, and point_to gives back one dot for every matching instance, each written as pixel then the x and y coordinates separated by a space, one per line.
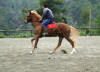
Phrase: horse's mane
pixel 36 14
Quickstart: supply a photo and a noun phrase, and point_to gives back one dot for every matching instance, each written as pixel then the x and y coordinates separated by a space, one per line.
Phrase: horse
pixel 61 30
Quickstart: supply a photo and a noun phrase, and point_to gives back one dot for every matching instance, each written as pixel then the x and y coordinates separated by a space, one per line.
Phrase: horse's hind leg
pixel 71 42
pixel 59 44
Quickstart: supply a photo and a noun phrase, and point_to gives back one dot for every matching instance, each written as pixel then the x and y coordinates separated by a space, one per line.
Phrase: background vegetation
pixel 78 13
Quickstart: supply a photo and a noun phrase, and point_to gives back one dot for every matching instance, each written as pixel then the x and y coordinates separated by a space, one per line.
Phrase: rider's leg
pixel 45 23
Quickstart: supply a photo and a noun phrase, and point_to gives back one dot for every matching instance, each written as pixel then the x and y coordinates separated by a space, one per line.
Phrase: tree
pixel 98 23
pixel 84 16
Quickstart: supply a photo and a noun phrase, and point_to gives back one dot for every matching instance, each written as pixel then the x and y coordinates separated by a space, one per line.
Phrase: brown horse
pixel 62 30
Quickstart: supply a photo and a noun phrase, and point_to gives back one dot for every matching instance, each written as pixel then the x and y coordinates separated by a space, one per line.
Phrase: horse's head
pixel 33 16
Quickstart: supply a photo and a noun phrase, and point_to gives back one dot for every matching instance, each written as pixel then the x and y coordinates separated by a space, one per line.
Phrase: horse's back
pixel 62 26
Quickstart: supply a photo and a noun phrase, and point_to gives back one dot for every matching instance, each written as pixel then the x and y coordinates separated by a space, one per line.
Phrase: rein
pixel 37 21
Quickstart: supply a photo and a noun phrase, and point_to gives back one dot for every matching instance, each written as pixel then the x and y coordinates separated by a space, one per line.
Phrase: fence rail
pixel 18 33
pixel 89 31
pixel 30 32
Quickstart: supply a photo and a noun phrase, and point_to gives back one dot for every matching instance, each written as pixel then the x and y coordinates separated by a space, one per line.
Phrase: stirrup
pixel 45 34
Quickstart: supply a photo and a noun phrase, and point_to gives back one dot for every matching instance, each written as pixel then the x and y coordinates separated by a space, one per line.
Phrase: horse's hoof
pixel 51 52
pixel 31 52
pixel 73 51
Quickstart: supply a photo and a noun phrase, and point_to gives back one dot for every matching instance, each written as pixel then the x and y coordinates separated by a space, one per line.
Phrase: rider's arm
pixel 44 14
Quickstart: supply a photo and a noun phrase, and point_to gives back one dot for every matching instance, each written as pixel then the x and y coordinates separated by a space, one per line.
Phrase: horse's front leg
pixel 36 42
pixel 32 41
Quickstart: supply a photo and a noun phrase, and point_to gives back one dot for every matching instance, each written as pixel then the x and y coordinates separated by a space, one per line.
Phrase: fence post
pixel 31 33
pixel 9 33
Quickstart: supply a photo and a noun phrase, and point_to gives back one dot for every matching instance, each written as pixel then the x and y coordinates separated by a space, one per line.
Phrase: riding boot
pixel 46 31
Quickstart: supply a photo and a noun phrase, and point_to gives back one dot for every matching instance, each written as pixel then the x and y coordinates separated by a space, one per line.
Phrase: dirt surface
pixel 15 55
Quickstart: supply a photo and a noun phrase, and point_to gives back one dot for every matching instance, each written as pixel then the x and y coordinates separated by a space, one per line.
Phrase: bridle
pixel 37 21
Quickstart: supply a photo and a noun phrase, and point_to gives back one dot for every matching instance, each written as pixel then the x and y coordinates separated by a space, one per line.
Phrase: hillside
pixel 77 12
pixel 10 12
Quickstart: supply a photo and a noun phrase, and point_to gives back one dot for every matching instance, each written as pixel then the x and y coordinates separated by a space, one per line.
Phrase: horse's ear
pixel 30 12
pixel 33 11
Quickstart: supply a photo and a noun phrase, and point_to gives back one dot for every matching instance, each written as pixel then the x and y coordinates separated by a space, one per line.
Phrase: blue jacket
pixel 47 13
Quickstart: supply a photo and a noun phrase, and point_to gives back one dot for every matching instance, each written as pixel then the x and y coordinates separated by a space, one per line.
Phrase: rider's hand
pixel 41 20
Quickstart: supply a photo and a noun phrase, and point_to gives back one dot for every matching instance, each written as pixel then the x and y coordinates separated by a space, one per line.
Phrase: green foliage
pixel 21 35
pixel 13 12
pixel 82 33
pixel 10 12
pixel 84 17
pixel 25 12
pixel 98 20
pixel 2 35
pixel 98 23
pixel 93 32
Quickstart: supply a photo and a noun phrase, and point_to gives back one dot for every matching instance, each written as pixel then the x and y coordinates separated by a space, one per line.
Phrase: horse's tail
pixel 74 34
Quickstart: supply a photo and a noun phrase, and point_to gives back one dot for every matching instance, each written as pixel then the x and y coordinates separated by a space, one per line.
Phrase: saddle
pixel 51 25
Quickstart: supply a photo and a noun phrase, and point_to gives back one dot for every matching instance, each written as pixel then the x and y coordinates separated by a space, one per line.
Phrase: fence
pixel 30 33
pixel 89 31
pixel 17 33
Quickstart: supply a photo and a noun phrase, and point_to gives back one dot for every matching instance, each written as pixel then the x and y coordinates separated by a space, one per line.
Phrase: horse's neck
pixel 38 18
pixel 36 24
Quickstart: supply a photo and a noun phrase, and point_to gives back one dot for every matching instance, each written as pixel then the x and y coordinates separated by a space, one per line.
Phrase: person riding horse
pixel 47 16
pixel 65 31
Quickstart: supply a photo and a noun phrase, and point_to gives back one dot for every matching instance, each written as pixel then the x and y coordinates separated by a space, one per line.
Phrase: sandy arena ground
pixel 15 55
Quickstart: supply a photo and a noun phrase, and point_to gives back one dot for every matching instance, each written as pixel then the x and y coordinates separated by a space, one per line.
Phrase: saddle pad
pixel 51 26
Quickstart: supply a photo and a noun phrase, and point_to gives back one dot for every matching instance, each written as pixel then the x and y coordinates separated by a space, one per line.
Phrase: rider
pixel 47 16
